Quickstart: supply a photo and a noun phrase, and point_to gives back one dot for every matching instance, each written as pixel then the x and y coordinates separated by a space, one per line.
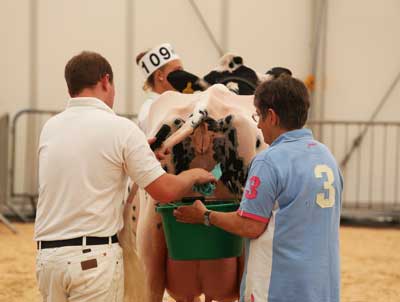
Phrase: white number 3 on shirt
pixel 323 202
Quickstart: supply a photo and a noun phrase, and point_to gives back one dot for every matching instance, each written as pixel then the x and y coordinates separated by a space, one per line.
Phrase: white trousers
pixel 94 273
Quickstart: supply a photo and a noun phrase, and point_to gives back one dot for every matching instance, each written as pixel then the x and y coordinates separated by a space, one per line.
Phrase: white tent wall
pixel 265 33
pixel 362 59
pixel 362 49
pixel 14 55
pixel 67 27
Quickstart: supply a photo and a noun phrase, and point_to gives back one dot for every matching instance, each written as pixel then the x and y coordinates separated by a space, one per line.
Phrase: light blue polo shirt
pixel 296 186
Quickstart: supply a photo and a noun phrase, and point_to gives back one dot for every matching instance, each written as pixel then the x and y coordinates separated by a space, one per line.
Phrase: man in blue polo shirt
pixel 290 209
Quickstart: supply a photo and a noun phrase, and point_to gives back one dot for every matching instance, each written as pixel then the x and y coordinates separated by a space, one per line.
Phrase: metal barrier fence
pixel 367 152
pixel 4 121
pixel 4 130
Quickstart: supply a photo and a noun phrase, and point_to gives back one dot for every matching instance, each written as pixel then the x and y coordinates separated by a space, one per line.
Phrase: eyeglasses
pixel 256 117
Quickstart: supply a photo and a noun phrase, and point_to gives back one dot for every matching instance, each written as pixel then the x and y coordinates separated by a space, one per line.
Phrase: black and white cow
pixel 202 129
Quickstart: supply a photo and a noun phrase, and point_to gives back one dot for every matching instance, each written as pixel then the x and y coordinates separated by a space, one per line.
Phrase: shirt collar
pixel 88 102
pixel 152 95
pixel 293 135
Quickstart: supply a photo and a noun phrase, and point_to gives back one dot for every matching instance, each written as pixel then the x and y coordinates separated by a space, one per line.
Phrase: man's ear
pixel 274 117
pixel 105 82
pixel 70 94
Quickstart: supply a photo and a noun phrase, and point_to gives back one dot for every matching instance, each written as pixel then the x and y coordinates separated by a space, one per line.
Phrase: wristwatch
pixel 207 218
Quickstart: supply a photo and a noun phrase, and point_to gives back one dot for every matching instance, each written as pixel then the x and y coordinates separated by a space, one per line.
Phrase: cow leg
pixel 134 201
pixel 151 249
pixel 133 268
pixel 153 253
pixel 135 214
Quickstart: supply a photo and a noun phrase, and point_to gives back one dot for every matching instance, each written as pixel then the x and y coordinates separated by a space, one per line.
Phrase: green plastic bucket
pixel 197 241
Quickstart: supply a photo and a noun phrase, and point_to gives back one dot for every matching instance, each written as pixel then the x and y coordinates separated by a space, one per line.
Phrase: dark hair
pixel 288 97
pixel 85 70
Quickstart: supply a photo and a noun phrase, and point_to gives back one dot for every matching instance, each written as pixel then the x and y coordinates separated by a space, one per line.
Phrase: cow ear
pixel 238 60
pixel 213 77
pixel 275 72
pixel 184 81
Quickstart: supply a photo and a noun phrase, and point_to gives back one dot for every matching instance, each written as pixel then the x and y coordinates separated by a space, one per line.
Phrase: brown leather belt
pixel 76 242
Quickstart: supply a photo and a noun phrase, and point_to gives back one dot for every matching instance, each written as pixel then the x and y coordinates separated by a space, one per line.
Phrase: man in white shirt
pixel 86 154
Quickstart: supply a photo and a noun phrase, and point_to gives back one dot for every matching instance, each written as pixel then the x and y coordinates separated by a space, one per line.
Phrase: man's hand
pixel 191 214
pixel 200 175
pixel 151 140
pixel 169 187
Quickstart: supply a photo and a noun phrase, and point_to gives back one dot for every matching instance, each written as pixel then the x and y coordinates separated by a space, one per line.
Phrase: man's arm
pixel 230 222
pixel 241 226
pixel 169 187
pixel 146 171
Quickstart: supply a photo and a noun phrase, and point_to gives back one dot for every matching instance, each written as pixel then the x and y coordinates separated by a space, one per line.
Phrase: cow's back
pixel 227 136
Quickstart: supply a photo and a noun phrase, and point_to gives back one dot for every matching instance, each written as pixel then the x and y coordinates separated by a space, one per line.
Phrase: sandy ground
pixel 370 264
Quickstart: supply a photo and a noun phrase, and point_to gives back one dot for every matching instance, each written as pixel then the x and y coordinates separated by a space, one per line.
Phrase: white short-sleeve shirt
pixel 86 154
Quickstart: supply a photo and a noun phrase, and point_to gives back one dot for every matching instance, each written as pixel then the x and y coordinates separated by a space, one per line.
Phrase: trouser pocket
pixel 96 274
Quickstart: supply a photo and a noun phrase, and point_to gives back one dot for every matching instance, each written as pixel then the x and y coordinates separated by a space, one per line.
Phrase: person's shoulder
pixel 270 154
pixel 274 157
pixel 122 123
pixel 266 156
pixel 55 119
pixel 320 148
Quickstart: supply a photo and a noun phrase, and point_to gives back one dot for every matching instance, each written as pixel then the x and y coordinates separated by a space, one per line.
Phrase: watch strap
pixel 207 218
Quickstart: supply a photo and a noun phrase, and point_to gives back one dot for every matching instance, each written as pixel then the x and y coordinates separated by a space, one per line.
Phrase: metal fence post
pixel 4 125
